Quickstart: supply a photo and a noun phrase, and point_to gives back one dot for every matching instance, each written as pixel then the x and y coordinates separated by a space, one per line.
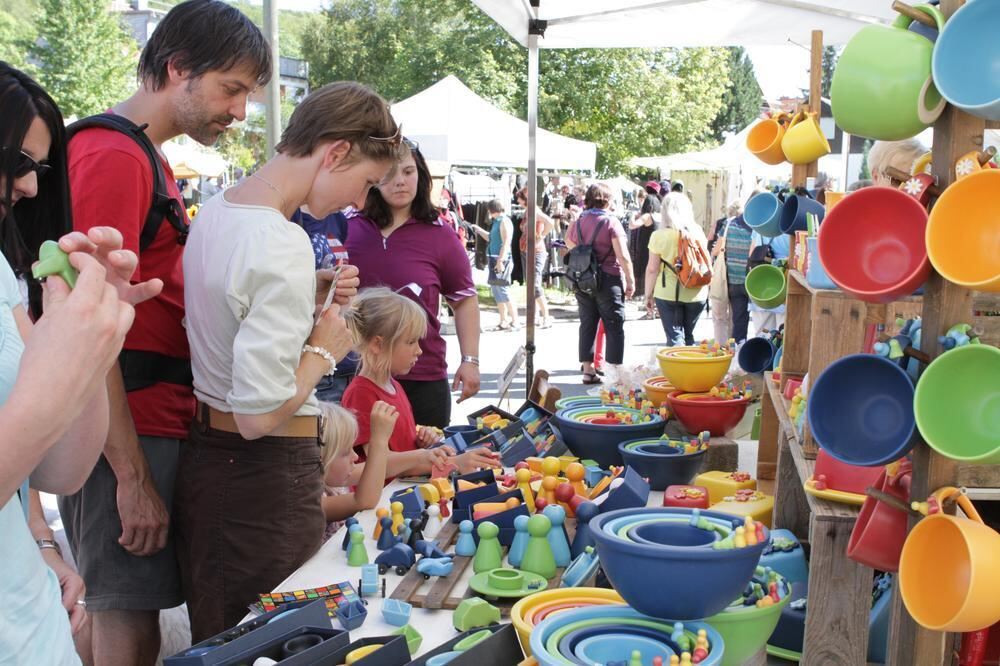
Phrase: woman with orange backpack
pixel 678 271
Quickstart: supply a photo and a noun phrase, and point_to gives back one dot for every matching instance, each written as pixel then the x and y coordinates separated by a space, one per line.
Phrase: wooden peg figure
pixel 380 513
pixel 523 477
pixel 574 474
pixel 397 516
pixel 549 484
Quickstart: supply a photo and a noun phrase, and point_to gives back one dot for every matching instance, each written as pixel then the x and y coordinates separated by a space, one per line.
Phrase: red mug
pixel 879 533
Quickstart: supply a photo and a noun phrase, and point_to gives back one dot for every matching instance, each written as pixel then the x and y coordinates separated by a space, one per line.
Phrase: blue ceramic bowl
pixel 567 646
pixel 793 213
pixel 861 410
pixel 687 587
pixel 967 71
pixel 763 214
pixel 662 464
pixel 600 442
pixel 611 618
pixel 756 356
pixel 611 647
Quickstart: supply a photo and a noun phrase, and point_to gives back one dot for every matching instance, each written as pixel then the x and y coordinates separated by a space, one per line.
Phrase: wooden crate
pixel 823 325
pixel 445 592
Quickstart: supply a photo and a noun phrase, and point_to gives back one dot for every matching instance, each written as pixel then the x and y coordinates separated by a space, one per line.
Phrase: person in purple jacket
pixel 399 241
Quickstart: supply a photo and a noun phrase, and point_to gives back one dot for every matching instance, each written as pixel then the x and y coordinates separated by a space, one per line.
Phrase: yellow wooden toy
pixel 724 484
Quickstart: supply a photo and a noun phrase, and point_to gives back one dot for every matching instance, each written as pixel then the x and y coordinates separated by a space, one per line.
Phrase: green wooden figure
pixel 538 555
pixel 53 261
pixel 489 555
pixel 356 553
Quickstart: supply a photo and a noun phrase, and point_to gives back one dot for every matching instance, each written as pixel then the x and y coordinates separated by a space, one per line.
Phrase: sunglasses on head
pixel 26 164
pixel 411 144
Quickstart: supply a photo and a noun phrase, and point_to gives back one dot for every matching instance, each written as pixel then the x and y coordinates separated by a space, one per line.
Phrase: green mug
pixel 882 87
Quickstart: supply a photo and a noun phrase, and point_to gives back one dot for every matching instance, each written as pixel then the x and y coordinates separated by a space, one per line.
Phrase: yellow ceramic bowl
pixel 522 614
pixel 691 369
pixel 656 389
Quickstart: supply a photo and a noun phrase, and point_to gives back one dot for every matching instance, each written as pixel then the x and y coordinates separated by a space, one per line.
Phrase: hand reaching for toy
pixel 427 436
pixel 383 420
pixel 475 459
pixel 437 456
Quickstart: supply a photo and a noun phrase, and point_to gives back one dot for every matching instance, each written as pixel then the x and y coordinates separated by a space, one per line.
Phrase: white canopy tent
pixel 454 125
pixel 553 24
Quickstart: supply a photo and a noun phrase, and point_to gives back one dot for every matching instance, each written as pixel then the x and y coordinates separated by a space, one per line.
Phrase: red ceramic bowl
pixel 872 244
pixel 843 477
pixel 703 411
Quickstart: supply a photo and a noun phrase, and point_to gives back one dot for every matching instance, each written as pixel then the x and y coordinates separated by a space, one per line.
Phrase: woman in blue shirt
pixel 53 400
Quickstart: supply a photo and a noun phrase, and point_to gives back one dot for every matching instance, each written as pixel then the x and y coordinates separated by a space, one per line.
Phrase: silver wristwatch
pixel 474 360
pixel 325 354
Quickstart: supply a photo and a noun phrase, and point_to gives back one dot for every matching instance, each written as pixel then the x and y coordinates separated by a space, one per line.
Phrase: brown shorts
pixel 247 515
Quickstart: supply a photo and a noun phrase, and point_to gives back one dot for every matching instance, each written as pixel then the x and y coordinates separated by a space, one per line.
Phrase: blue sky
pixel 781 70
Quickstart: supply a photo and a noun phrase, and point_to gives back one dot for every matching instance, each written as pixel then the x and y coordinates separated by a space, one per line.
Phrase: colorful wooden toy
pixel 386 539
pixel 745 502
pixel 538 553
pixel 517 547
pixel 474 613
pixel 397 516
pixel 466 544
pixel 684 496
pixel 585 513
pixel 724 484
pixel 380 513
pixel 348 524
pixel 356 553
pixel 488 554
pixel 558 541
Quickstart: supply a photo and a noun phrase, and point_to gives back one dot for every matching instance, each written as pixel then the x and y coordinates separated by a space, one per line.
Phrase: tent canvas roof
pixel 453 124
pixel 658 23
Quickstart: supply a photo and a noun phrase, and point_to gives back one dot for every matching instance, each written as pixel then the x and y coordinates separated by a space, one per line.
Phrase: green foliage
pixel 244 145
pixel 830 56
pixel 87 58
pixel 291 25
pixel 16 35
pixel 631 102
pixel 865 173
pixel 742 100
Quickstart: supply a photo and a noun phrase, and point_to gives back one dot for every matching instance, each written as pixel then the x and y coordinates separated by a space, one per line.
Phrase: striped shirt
pixel 737 250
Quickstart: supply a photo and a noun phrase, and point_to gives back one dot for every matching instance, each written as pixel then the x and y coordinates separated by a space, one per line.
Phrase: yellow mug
pixel 804 142
pixel 764 139
pixel 832 199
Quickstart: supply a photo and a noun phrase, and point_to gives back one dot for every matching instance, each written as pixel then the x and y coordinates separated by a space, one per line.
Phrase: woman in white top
pixel 250 482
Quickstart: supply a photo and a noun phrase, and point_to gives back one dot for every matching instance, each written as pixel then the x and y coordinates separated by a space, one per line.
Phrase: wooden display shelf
pixel 839 589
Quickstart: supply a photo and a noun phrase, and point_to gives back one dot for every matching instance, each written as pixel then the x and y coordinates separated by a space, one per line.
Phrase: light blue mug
pixel 966 61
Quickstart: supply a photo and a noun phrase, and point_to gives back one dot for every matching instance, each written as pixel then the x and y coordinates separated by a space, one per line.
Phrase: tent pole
pixel 845 157
pixel 531 213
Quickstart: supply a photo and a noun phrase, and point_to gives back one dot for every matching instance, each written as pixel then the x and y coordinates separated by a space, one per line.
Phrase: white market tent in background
pixel 456 126
pixel 190 160
pixel 554 24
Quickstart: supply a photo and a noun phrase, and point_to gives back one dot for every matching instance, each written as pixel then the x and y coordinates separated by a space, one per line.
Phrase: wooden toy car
pixel 399 556
pixel 435 566
pixel 474 613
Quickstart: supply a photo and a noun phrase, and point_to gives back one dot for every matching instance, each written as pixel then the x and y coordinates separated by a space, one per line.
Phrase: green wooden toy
pixel 53 261
pixel 356 553
pixel 489 555
pixel 538 555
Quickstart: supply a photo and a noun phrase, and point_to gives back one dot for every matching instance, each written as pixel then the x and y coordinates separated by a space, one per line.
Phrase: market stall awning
pixel 190 161
pixel 452 124
pixel 659 23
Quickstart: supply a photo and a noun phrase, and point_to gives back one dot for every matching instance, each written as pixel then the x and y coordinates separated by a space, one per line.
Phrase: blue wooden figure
pixel 348 524
pixel 404 532
pixel 557 535
pixel 520 542
pixel 386 540
pixel 466 544
pixel 583 538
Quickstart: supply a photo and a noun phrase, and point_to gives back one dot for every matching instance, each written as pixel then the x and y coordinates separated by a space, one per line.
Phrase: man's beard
pixel 194 121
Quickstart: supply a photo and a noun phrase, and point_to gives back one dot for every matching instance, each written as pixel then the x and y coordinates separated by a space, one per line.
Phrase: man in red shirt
pixel 195 74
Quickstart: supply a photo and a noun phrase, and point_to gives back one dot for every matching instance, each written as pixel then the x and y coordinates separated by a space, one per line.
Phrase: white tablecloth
pixel 329 565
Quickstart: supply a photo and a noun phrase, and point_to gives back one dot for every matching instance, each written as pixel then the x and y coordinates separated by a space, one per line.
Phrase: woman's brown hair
pixel 422 208
pixel 598 196
pixel 343 111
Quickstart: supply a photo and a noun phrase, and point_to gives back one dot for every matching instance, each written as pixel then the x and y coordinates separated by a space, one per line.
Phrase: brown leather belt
pixel 297 426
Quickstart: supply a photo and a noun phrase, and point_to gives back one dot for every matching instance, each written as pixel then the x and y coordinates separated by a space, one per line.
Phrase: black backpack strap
pixel 163 206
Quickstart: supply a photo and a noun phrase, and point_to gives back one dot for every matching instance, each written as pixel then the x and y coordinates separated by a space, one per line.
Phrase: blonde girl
pixel 387 328
pixel 340 468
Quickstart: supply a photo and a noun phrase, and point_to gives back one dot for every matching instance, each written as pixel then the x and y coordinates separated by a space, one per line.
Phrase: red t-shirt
pixel 111 184
pixel 359 397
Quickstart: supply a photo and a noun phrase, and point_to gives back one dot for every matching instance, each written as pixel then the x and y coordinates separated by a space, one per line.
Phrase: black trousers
pixel 739 304
pixel 607 305
pixel 431 401
pixel 678 319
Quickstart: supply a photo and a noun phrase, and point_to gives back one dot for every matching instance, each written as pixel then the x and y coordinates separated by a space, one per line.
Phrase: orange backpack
pixel 693 266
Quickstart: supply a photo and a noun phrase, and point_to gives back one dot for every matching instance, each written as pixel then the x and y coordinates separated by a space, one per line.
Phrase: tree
pixel 865 173
pixel 742 100
pixel 630 101
pixel 830 56
pixel 86 57
pixel 15 37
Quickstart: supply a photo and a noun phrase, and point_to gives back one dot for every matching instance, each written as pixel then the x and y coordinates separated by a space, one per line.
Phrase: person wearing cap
pixel 677 186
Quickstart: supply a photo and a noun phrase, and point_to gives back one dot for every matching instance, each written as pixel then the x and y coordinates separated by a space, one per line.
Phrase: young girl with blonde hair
pixel 387 328
pixel 340 462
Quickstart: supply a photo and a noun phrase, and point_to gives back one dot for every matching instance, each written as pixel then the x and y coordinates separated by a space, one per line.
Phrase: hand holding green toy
pixel 53 261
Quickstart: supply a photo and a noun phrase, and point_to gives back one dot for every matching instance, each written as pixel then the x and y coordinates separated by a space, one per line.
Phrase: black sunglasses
pixel 27 164
pixel 411 144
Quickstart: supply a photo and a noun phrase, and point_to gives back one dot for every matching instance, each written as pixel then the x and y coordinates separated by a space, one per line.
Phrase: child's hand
pixel 427 436
pixel 475 459
pixel 439 456
pixel 383 420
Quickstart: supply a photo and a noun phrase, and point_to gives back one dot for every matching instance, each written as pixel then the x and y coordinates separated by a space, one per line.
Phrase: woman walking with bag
pixel 679 307
pixel 606 303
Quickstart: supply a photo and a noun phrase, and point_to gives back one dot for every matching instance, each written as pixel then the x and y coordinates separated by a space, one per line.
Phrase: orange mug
pixel 764 139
